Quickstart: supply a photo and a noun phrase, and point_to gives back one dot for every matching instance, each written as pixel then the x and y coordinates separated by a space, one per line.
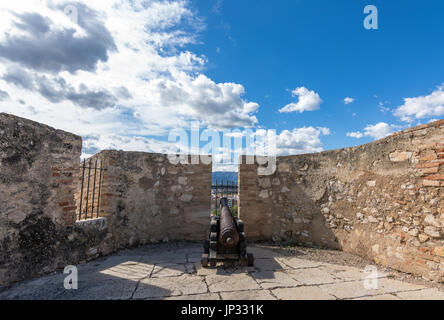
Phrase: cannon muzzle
pixel 229 236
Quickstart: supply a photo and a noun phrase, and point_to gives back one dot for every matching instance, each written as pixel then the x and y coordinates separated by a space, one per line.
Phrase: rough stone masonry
pixel 383 200
pixel 146 199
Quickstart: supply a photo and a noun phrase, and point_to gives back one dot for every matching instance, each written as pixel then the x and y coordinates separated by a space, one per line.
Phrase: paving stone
pixel 221 270
pixel 190 250
pixel 117 289
pixel 349 273
pixel 201 271
pixel 106 264
pixel 312 276
pixel 296 263
pixel 261 252
pixel 231 282
pixel 168 270
pixel 126 270
pixel 357 289
pixel 190 268
pixel 425 294
pixel 205 296
pixel 115 260
pixel 45 288
pixel 335 269
pixel 170 286
pixel 302 293
pixel 271 280
pixel 390 285
pixel 167 257
pixel 379 297
pixel 194 257
pixel 241 269
pixel 247 295
pixel 165 274
pixel 270 264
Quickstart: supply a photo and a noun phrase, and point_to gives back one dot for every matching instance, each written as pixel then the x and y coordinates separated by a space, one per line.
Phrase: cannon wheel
pixel 240 225
pixel 205 260
pixel 213 262
pixel 207 246
pixel 247 260
pixel 214 224
pixel 250 259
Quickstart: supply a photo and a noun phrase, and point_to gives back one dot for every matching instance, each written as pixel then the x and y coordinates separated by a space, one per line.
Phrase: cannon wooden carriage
pixel 226 239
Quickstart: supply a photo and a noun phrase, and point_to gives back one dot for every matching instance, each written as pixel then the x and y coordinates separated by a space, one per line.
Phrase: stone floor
pixel 174 272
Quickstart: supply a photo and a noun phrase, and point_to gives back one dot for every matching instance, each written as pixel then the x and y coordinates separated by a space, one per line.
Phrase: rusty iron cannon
pixel 226 239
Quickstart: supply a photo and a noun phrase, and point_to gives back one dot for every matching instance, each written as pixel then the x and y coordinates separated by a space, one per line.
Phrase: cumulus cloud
pixel 217 105
pixel 349 100
pixel 38 43
pixel 308 100
pixel 301 140
pixel 3 95
pixel 257 142
pixel 19 77
pixel 56 89
pixel 421 107
pixel 377 131
pixel 357 134
pixel 96 142
pixel 124 60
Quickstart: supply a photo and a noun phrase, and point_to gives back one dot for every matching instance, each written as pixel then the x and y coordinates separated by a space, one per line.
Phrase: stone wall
pixel 383 200
pixel 144 199
pixel 151 199
pixel 38 169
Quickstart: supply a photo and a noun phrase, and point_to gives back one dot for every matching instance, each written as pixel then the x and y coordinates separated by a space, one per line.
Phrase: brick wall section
pixel 382 200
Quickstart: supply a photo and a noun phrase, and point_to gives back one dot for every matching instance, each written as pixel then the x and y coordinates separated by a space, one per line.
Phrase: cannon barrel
pixel 229 236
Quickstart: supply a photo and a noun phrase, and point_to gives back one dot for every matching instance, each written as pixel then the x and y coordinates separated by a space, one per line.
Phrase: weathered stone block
pixel 432 232
pixel 439 251
pixel 400 156
pixel 378 203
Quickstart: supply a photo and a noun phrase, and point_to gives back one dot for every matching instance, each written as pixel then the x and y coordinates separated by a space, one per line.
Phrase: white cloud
pixel 288 142
pixel 349 100
pixel 422 107
pixel 95 143
pixel 377 131
pixel 357 135
pixel 301 140
pixel 153 84
pixel 217 105
pixel 307 101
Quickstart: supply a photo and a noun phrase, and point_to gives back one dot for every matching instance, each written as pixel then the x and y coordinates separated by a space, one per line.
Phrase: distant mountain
pixel 224 177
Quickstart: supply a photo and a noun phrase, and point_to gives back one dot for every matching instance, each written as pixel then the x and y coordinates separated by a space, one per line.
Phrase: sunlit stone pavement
pixel 174 272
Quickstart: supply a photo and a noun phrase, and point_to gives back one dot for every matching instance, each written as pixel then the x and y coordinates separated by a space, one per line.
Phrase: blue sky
pixel 124 74
pixel 272 47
